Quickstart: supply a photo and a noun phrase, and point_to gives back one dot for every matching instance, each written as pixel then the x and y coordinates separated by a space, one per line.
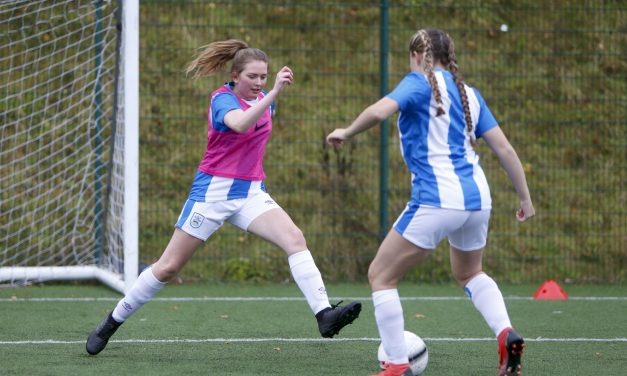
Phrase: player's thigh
pixel 465 264
pixel 196 223
pixel 396 256
pixel 179 250
pixel 265 218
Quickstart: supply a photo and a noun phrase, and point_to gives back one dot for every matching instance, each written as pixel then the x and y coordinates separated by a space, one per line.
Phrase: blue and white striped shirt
pixel 210 188
pixel 444 166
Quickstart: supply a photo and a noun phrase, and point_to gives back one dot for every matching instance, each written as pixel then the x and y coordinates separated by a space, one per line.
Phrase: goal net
pixel 68 148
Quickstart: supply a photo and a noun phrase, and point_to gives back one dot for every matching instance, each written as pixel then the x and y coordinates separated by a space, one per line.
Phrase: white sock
pixel 309 280
pixel 488 300
pixel 388 313
pixel 142 291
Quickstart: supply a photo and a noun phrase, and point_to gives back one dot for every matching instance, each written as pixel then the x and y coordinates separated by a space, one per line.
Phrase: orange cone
pixel 550 290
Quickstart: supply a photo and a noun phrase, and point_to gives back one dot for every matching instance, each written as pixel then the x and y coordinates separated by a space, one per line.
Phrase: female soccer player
pixel 440 120
pixel 229 187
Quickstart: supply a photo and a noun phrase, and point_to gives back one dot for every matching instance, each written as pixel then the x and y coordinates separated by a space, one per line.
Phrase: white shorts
pixel 201 219
pixel 427 226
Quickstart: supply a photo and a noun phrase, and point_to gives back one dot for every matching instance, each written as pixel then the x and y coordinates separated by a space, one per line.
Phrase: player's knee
pixel 372 278
pixel 380 281
pixel 463 277
pixel 294 239
pixel 165 272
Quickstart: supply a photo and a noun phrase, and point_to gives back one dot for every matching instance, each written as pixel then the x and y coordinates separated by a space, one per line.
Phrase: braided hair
pixel 438 46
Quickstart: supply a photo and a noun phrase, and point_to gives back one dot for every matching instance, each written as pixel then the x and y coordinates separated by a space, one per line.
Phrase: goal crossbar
pixel 63 273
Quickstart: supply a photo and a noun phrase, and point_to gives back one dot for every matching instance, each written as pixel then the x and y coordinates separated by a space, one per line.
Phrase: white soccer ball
pixel 416 352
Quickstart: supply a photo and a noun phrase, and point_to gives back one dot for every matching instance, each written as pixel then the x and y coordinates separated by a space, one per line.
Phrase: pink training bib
pixel 237 155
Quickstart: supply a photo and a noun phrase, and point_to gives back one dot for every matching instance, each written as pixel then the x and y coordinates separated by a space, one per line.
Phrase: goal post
pixel 131 139
pixel 69 147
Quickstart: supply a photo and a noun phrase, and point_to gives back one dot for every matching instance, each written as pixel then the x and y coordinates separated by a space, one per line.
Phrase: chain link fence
pixel 553 73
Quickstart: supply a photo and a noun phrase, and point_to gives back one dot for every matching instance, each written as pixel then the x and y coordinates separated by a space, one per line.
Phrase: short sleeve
pixel 221 104
pixel 405 93
pixel 272 106
pixel 486 120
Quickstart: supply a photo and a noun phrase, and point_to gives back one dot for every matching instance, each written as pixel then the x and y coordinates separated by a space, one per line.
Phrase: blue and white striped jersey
pixel 444 166
pixel 210 188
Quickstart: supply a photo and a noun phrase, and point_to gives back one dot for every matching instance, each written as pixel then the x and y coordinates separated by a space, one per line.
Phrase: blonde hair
pixel 438 46
pixel 213 58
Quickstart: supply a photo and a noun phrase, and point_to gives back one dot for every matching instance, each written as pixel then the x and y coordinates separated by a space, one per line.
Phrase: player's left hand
pixel 526 211
pixel 283 77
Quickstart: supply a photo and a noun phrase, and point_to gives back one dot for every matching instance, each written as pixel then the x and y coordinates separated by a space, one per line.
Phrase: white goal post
pixel 69 147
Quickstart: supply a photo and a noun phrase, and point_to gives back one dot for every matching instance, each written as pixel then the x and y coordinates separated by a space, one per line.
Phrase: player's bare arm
pixel 372 115
pixel 496 140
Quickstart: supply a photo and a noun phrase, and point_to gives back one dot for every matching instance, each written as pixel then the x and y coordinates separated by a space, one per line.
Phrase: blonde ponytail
pixel 213 58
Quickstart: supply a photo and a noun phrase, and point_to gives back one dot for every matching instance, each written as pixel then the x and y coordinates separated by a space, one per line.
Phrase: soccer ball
pixel 416 352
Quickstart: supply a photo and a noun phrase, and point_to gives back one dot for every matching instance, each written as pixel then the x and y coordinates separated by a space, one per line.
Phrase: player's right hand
pixel 337 137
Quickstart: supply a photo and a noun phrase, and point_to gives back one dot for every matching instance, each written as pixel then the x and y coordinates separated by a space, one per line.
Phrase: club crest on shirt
pixel 196 220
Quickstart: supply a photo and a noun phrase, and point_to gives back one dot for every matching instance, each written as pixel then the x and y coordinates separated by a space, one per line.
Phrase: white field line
pixel 252 340
pixel 270 298
pixel 290 298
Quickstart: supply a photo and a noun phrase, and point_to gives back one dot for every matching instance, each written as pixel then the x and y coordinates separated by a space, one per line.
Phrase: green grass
pixel 152 342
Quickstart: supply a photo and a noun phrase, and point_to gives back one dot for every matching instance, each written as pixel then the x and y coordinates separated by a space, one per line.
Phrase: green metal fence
pixel 554 74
